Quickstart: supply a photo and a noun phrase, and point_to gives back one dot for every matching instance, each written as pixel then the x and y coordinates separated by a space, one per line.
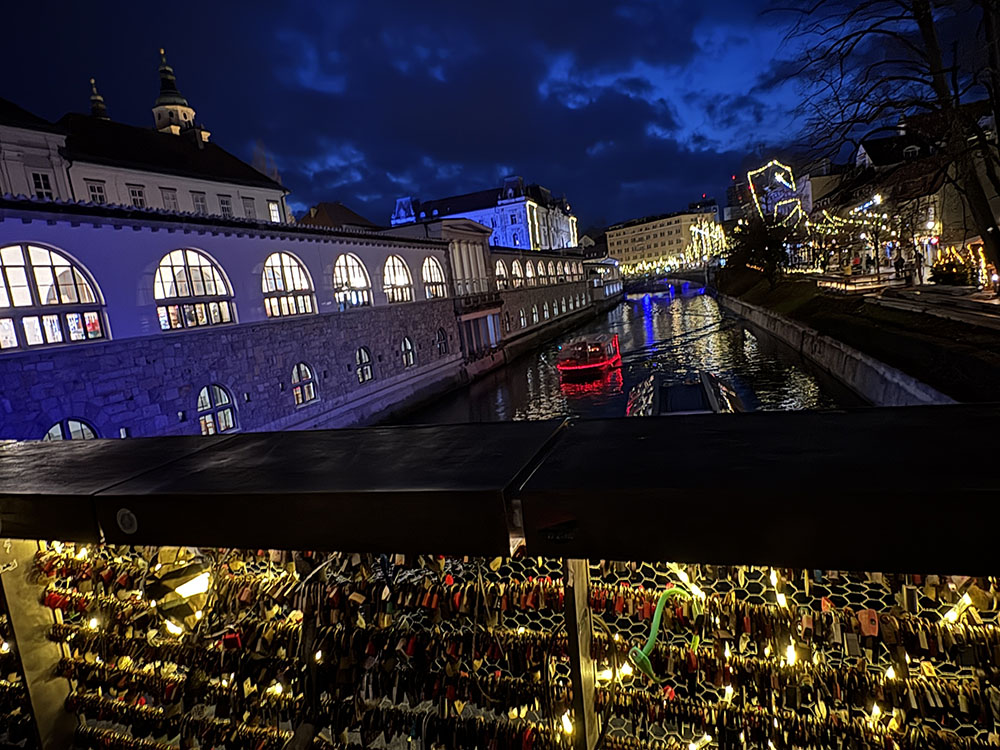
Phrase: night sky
pixel 628 108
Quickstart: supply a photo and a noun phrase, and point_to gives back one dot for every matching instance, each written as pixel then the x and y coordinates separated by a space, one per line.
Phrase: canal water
pixel 677 334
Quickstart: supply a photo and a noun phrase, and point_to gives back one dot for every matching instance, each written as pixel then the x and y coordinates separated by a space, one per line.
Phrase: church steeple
pixel 171 112
pixel 97 106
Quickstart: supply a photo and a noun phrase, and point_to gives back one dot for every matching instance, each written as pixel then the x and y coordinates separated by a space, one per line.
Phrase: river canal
pixel 675 334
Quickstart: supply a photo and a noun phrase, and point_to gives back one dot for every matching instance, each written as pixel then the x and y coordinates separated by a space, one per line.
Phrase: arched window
pixel 409 356
pixel 303 384
pixel 46 299
pixel 534 314
pixel 579 270
pixel 433 276
pixel 529 273
pixel 70 429
pixel 516 239
pixel 563 300
pixel 545 310
pixel 552 272
pixel 524 319
pixel 396 282
pixel 441 342
pixel 555 307
pixel 506 322
pixel 516 275
pixel 287 288
pixel 560 271
pixel 193 291
pixel 363 362
pixel 351 286
pixel 541 274
pixel 572 304
pixel 501 274
pixel 216 412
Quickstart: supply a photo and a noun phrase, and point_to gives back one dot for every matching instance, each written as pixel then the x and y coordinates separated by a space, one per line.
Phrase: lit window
pixel 95 190
pixel 200 203
pixel 169 196
pixel 516 240
pixel 433 276
pixel 545 311
pixel 513 218
pixel 409 356
pixel 286 286
pixel 506 322
pixel 351 287
pixel 555 307
pixel 137 195
pixel 563 304
pixel 396 282
pixel 45 299
pixel 501 274
pixel 303 386
pixel 70 429
pixel 516 273
pixel 534 313
pixel 274 210
pixel 216 412
pixel 43 185
pixel 529 273
pixel 441 342
pixel 560 271
pixel 249 208
pixel 363 365
pixel 524 318
pixel 202 295
pixel 541 274
pixel 226 206
pixel 552 271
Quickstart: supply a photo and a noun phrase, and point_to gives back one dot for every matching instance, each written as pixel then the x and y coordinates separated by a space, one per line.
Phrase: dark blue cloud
pixel 628 108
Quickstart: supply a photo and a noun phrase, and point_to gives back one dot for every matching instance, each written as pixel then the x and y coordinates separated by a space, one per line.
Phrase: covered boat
pixel 589 354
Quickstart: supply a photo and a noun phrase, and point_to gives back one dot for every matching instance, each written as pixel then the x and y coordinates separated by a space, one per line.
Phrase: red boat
pixel 589 354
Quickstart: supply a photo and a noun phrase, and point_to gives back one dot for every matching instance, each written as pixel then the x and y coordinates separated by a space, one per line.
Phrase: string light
pixel 318 656
pixel 93 623
pixel 4 648
pixel 172 627
pixel 700 742
pixel 567 724
pixel 626 670
pixel 890 673
pixel 790 653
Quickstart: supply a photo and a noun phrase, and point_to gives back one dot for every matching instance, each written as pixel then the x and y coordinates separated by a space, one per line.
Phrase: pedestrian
pixel 918 258
pixel 868 263
pixel 899 263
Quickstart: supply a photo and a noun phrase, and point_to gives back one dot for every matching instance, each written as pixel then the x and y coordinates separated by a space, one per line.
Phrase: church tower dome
pixel 171 112
pixel 97 107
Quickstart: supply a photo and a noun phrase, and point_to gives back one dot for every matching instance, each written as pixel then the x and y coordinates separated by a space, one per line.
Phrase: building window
pixel 287 287
pixel 545 310
pixel 516 274
pixel 572 303
pixel 529 273
pixel 523 318
pixel 43 185
pixel 506 322
pixel 541 274
pixel 555 307
pixel 513 218
pixel 363 365
pixel 564 304
pixel 433 276
pixel 70 429
pixel 45 299
pixel 560 271
pixel 95 191
pixel 534 314
pixel 396 281
pixel 303 386
pixel 441 342
pixel 552 271
pixel 169 196
pixel 137 195
pixel 193 291
pixel 215 410
pixel 226 206
pixel 249 208
pixel 351 286
pixel 200 203
pixel 274 210
pixel 409 356
pixel 515 239
pixel 501 274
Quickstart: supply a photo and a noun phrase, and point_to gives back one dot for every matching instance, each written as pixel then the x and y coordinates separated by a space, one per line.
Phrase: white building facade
pixel 654 241
pixel 519 215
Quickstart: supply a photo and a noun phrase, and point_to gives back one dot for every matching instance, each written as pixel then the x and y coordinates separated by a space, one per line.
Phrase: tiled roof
pixel 11 114
pixel 91 139
pixel 335 214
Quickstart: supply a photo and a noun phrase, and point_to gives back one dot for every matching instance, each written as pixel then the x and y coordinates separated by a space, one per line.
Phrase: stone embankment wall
pixel 871 379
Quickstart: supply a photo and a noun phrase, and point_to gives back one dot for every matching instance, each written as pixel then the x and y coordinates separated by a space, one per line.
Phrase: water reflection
pixel 674 334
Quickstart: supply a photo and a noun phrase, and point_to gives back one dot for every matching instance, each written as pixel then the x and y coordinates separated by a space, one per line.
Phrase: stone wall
pixel 514 300
pixel 149 385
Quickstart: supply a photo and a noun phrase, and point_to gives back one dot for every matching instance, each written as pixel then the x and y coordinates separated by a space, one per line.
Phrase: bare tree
pixel 870 63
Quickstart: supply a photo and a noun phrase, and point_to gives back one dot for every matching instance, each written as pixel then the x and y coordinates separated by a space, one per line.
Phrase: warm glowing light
pixel 4 648
pixel 626 670
pixel 567 725
pixel 172 627
pixel 782 601
pixel 82 554
pixel 92 624
pixel 876 712
pixel 521 629
pixel 727 653
pixel 152 603
pixel 767 650
pixel 890 673
pixel 197 585
pixel 198 614
pixel 729 692
pixel 605 675
pixel 157 567
pixel 790 653
pixel 318 656
pixel 774 577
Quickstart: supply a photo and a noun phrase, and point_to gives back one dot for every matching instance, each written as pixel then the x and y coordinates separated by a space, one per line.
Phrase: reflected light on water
pixel 676 333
